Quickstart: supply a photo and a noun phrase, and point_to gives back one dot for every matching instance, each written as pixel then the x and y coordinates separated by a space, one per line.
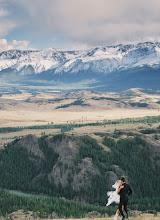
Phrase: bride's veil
pixel 113 196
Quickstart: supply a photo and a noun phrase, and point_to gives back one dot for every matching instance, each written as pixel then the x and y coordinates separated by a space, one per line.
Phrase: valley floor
pixel 76 107
pixel 22 117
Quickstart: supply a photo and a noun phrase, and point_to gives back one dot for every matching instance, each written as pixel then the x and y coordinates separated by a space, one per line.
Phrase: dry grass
pixel 111 128
pixel 21 215
pixel 26 109
pixel 142 217
pixel 26 117
pixel 8 137
pixel 29 131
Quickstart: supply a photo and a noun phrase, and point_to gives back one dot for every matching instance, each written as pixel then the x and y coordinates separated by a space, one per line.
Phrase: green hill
pixel 80 169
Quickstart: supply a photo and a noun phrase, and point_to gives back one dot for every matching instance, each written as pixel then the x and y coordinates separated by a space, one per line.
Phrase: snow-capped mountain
pixel 111 68
pixel 97 60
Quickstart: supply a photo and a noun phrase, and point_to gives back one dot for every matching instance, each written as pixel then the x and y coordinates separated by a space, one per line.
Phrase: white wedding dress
pixel 113 195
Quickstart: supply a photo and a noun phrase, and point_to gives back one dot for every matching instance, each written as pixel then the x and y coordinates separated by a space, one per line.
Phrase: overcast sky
pixel 77 24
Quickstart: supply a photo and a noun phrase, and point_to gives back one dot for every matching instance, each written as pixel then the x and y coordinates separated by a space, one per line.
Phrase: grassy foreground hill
pixel 78 168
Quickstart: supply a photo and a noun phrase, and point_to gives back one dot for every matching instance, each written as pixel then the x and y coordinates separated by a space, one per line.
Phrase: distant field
pixel 22 117
pixel 111 128
pixel 26 109
pixel 76 107
pixel 8 137
pixel 147 124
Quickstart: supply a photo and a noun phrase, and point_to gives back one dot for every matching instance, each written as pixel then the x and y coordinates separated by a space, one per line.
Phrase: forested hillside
pixel 79 168
pixel 44 207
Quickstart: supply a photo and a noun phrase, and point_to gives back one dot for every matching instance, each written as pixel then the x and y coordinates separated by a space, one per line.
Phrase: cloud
pixel 3 12
pixel 5 27
pixel 5 45
pixel 6 24
pixel 94 22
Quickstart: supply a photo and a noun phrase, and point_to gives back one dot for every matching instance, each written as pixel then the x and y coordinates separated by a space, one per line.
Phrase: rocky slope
pixel 78 168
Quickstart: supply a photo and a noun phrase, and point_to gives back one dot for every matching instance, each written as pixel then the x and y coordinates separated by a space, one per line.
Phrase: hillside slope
pixel 77 167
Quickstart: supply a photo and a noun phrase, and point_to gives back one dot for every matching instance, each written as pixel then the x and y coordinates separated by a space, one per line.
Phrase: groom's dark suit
pixel 124 193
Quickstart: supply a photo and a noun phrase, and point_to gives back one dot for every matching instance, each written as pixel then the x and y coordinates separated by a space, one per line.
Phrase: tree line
pixel 71 126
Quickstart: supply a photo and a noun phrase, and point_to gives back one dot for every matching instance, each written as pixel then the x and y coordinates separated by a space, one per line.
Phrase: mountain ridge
pixel 111 68
pixel 100 59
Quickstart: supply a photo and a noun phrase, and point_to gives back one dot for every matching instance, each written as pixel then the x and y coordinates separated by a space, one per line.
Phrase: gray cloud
pixel 95 22
pixel 5 45
pixel 5 24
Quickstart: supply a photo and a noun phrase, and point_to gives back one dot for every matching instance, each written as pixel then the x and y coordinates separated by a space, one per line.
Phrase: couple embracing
pixel 120 195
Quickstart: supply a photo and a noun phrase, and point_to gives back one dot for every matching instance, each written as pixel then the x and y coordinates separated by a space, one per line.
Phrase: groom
pixel 124 191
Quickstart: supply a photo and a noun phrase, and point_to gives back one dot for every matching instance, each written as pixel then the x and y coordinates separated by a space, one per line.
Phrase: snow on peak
pixel 98 60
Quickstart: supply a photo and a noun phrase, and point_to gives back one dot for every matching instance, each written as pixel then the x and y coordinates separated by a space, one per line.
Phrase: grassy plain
pixel 76 107
pixel 21 110
pixel 25 117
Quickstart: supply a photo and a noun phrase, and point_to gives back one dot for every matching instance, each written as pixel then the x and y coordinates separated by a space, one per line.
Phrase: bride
pixel 113 195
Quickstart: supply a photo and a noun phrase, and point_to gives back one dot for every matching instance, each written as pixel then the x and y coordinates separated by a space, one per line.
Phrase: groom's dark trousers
pixel 124 193
pixel 123 202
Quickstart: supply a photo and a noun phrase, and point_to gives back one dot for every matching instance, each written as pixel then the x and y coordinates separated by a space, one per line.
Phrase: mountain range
pixel 110 68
